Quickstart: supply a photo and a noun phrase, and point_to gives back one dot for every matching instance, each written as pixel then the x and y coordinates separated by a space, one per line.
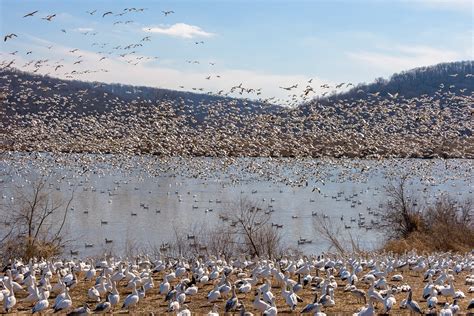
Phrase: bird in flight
pixel 30 14
pixel 289 88
pixel 106 13
pixel 308 90
pixel 166 13
pixel 91 12
pixel 316 189
pixel 393 96
pixel 9 36
pixel 49 17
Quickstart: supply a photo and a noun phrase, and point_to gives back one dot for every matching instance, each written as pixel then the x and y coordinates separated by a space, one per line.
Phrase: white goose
pixel 366 311
pixel 165 286
pixel 132 299
pixel 33 295
pixel 42 304
pixel 10 300
pixel 114 296
pixel 272 310
pixel 214 294
pixel 64 304
pixel 413 305
pixel 258 303
pixel 290 297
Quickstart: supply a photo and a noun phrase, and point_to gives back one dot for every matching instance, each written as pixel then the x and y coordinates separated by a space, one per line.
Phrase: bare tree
pixel 455 217
pixel 198 239
pixel 401 216
pixel 37 218
pixel 253 230
pixel 329 232
pixel 409 225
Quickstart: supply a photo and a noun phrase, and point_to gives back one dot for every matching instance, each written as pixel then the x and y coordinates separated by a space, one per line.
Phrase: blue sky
pixel 261 44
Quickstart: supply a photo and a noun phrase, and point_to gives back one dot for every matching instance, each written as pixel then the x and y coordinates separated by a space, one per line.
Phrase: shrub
pixel 445 225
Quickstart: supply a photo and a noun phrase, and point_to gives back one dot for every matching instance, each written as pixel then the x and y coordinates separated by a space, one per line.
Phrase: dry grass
pixel 446 225
pixel 346 303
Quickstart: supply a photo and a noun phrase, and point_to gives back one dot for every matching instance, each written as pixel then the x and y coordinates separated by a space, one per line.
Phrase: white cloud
pixel 179 30
pixel 84 29
pixel 403 57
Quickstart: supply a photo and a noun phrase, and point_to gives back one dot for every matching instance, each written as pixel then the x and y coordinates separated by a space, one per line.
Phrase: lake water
pixel 143 199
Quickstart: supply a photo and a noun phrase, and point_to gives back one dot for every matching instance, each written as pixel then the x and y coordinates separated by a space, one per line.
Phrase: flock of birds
pixel 130 54
pixel 363 285
pixel 43 114
pixel 46 114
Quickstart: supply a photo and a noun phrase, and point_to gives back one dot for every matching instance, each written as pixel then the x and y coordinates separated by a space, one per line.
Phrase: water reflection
pixel 141 204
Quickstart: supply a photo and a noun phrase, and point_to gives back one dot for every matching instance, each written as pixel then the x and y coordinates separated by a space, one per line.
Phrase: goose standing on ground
pixel 165 286
pixel 290 297
pixel 10 300
pixel 446 311
pixel 272 311
pixel 33 295
pixel 454 307
pixel 214 294
pixel 432 299
pixel 368 310
pixel 114 296
pixel 309 308
pixel 389 302
pixel 132 299
pixel 413 305
pixel 90 274
pixel 259 304
pixel 65 304
pixel 42 304
pixel 103 307
pixel 428 287
pixel 232 302
pixel 448 291
pixel 70 279
pixel 93 294
pixel 328 298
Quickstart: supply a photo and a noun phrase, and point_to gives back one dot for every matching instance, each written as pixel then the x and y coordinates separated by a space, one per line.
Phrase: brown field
pixel 346 303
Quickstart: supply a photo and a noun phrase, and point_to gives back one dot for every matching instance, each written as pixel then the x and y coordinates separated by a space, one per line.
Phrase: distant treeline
pixel 416 82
